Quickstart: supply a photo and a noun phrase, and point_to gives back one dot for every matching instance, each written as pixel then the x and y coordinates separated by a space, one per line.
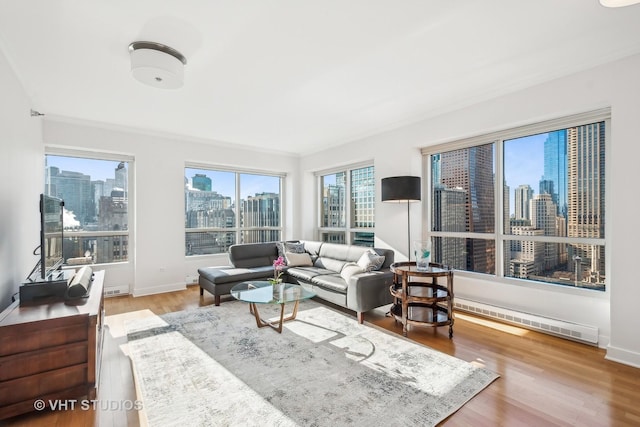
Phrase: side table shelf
pixel 420 299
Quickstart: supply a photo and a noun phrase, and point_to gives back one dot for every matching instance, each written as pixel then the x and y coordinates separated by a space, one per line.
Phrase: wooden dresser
pixel 50 351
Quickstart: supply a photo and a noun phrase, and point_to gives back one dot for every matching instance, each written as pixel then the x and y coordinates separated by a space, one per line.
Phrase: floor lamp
pixel 399 189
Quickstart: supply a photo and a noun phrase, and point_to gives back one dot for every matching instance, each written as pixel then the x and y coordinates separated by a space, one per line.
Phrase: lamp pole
pixel 408 233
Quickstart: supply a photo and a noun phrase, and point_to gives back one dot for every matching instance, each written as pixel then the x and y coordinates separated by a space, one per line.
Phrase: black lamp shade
pixel 401 189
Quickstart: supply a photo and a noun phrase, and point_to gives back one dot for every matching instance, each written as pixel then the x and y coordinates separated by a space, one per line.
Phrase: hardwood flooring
pixel 545 381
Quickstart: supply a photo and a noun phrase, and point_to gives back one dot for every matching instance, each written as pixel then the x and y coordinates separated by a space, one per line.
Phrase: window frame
pixel 348 230
pixel 237 229
pixel 105 156
pixel 499 236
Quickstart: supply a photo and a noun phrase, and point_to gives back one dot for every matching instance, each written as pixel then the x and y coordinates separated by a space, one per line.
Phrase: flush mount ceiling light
pixel 157 65
pixel 618 3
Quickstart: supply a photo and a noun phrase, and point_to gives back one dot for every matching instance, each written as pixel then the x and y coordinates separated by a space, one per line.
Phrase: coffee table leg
pixel 253 308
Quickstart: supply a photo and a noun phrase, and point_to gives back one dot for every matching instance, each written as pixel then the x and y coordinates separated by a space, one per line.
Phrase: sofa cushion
pixel 370 261
pixel 335 265
pixel 219 275
pixel 250 255
pixel 331 281
pixel 298 259
pixel 312 248
pixel 306 273
pixel 349 270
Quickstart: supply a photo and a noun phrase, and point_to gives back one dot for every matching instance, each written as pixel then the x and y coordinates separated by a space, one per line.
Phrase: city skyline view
pixel 224 182
pixel 524 164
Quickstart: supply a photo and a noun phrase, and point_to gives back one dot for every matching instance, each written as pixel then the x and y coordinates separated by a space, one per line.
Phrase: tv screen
pixel 51 230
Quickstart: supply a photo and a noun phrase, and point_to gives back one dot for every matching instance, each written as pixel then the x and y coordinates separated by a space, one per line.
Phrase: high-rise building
pixel 471 169
pixel 201 182
pixel 527 257
pixel 259 211
pixel 523 194
pixel 333 200
pixel 122 178
pixel 76 191
pixel 363 197
pixel 543 217
pixel 555 169
pixel 585 214
pixel 449 213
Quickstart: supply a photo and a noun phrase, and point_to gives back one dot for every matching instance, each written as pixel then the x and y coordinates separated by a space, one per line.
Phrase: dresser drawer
pixel 33 362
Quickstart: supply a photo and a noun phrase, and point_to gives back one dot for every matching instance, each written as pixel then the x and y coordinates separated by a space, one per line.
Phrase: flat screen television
pixel 51 238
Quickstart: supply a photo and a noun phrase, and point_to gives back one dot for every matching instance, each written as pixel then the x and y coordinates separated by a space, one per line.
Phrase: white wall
pixel 397 153
pixel 21 178
pixel 159 263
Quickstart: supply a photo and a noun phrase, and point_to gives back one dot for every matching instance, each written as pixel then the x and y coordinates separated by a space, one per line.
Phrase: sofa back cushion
pixel 333 256
pixel 249 255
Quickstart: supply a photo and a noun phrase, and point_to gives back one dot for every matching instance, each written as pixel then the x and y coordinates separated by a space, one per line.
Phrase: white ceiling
pixel 301 75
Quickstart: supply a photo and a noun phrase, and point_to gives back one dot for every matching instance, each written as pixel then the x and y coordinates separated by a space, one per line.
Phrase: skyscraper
pixel 555 169
pixel 543 217
pixel 471 169
pixel 260 211
pixel 586 210
pixel 201 182
pixel 523 194
pixel 76 191
pixel 449 214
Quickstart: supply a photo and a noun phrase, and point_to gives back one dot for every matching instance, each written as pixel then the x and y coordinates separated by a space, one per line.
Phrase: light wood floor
pixel 544 380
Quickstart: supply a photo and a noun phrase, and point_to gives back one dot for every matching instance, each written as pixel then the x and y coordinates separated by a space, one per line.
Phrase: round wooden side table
pixel 422 298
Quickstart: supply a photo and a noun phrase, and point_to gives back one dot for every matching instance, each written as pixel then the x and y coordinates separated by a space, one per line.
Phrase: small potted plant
pixel 278 265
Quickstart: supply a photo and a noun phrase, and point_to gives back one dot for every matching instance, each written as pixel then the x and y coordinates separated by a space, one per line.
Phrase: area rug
pixel 213 367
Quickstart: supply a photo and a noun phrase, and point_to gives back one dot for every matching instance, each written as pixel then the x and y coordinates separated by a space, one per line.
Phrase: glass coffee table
pixel 263 292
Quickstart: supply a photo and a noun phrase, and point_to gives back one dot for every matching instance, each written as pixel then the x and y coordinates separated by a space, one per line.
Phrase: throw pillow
pixel 298 260
pixel 349 270
pixel 370 260
pixel 281 249
pixel 296 248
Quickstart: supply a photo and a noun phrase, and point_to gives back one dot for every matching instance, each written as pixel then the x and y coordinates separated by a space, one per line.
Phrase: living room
pixel 159 264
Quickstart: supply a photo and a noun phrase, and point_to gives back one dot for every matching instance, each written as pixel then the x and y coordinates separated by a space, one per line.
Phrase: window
pixel 545 223
pixel 349 191
pixel 96 206
pixel 225 207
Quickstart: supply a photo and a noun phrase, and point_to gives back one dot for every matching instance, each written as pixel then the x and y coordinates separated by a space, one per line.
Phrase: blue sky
pixel 524 163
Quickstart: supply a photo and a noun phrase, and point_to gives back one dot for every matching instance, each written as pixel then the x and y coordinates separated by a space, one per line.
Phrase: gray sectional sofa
pixel 354 277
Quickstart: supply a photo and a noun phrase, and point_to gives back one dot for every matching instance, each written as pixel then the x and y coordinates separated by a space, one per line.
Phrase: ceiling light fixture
pixel 157 65
pixel 618 3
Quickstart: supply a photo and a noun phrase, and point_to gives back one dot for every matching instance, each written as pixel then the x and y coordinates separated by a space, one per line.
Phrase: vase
pixel 422 252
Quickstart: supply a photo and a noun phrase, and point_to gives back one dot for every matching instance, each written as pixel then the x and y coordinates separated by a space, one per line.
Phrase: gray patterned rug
pixel 213 367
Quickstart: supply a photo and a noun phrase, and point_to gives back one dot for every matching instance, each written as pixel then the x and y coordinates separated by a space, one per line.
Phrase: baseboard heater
pixel 113 291
pixel 583 333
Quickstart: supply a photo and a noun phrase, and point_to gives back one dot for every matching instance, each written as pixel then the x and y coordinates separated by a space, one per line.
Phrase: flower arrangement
pixel 278 265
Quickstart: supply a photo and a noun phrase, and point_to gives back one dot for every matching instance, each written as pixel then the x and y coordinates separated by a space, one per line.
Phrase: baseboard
pixel 171 287
pixel 620 355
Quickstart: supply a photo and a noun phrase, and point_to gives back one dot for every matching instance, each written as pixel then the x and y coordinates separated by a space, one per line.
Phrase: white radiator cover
pixel 573 331
pixel 116 291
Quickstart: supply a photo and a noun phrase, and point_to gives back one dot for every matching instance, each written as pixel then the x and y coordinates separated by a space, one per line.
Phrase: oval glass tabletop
pixel 263 292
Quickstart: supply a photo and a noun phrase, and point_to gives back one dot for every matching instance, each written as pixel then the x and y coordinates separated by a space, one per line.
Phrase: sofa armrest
pixel 366 291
